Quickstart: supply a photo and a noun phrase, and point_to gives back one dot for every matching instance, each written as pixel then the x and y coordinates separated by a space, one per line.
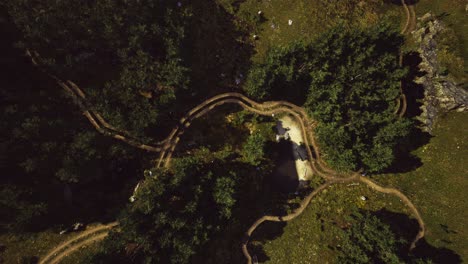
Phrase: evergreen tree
pixel 126 54
pixel 368 241
pixel 349 81
pixel 175 212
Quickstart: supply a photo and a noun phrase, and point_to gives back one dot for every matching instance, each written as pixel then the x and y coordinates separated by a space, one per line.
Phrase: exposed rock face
pixel 441 93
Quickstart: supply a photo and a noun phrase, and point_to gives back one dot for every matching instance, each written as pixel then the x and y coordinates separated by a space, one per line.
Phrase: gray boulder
pixel 441 92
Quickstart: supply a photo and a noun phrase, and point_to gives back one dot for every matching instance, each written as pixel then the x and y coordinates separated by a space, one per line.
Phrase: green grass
pixel 19 246
pixel 310 18
pixel 453 14
pixel 307 238
pixel 438 187
pixel 82 255
pixel 22 246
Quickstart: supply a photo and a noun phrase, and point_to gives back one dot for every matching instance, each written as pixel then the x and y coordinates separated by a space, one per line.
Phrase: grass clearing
pixel 26 247
pixel 80 256
pixel 438 187
pixel 309 19
pixel 307 239
pixel 20 247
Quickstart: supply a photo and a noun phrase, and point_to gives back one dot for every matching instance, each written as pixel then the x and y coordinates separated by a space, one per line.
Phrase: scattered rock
pixel 441 92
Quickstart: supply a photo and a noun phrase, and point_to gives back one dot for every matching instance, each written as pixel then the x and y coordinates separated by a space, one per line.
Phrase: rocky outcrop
pixel 441 92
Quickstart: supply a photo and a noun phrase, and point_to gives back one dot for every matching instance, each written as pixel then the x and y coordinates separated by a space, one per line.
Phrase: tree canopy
pixel 369 240
pixel 254 148
pixel 46 146
pixel 349 81
pixel 126 54
pixel 176 211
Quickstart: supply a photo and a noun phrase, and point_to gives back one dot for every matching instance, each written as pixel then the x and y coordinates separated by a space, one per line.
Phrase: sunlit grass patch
pixel 438 187
pixel 282 22
pixel 308 238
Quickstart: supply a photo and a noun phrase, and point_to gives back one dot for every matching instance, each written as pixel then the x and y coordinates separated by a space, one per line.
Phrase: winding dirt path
pixel 405 200
pixel 78 246
pixel 167 147
pixel 65 246
pixel 267 109
pixel 170 143
pixel 303 205
pixel 410 25
pixel 408 17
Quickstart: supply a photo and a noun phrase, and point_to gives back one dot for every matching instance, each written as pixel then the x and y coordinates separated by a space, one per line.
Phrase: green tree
pixel 254 148
pixel 223 192
pixel 283 75
pixel 48 147
pixel 349 81
pixel 116 50
pixel 368 241
pixel 17 212
pixel 176 211
pixel 353 95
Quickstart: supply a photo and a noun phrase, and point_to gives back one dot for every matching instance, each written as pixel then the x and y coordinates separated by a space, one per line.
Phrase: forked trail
pixel 266 108
pixel 166 148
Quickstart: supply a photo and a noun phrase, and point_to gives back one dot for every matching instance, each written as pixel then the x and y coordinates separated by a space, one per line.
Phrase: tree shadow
pixel 285 177
pixel 219 51
pixel 256 198
pixel 59 122
pixel 404 160
pixel 407 228
pixel 437 255
pixel 268 231
pixel 398 2
pixel 414 92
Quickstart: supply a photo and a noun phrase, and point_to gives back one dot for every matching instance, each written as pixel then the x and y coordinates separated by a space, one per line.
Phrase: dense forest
pixel 143 65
